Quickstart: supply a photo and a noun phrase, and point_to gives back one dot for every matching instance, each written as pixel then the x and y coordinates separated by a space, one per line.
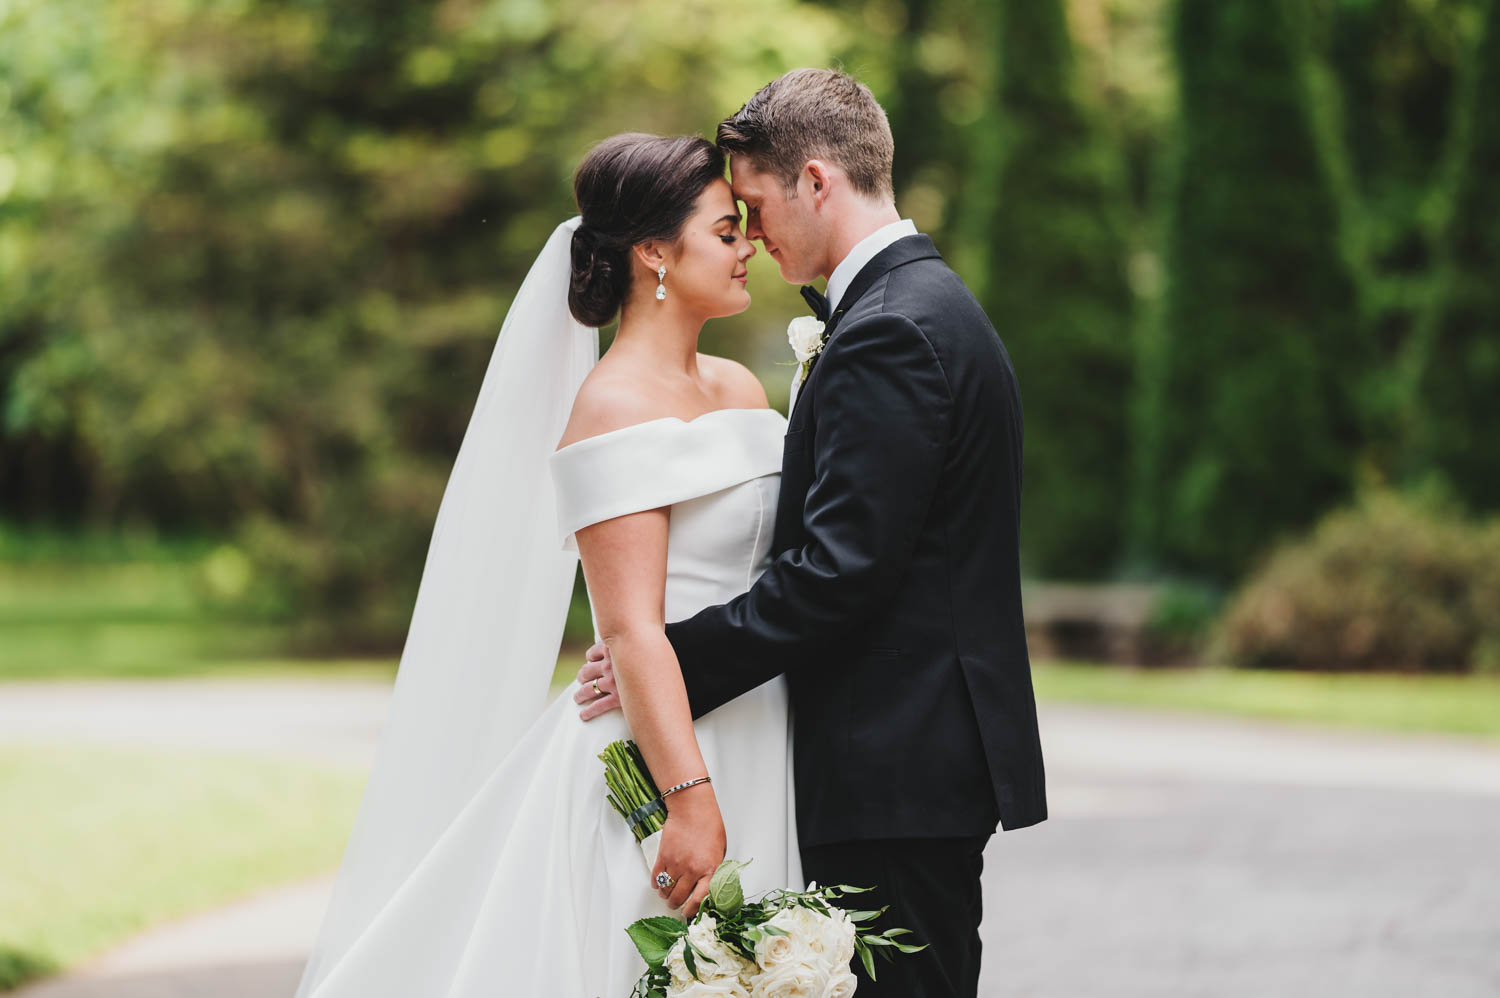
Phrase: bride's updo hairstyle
pixel 631 189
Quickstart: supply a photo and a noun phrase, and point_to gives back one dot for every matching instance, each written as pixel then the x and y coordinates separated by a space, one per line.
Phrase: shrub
pixel 1390 584
pixel 1182 619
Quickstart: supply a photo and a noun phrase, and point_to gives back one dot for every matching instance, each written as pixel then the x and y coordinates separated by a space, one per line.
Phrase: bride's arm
pixel 625 564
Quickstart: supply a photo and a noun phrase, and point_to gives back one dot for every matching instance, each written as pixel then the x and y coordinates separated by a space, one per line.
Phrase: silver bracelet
pixel 683 786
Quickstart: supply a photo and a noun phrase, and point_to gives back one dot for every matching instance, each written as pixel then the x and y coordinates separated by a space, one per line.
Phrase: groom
pixel 893 604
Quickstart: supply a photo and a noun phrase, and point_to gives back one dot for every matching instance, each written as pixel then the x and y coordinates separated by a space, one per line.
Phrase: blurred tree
pixel 1126 79
pixel 295 231
pixel 1254 421
pixel 1390 71
pixel 48 70
pixel 1056 290
pixel 913 103
pixel 1459 387
pixel 933 99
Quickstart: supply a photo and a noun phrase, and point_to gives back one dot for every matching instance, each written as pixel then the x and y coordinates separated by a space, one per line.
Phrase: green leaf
pixel 653 937
pixel 866 959
pixel 724 890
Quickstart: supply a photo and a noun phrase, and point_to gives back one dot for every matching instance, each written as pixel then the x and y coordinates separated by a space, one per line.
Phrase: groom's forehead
pixel 748 194
pixel 744 180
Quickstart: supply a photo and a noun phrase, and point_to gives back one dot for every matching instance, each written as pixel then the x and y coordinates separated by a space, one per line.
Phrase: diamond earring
pixel 661 275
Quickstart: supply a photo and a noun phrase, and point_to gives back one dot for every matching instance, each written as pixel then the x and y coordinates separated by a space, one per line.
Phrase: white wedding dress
pixel 528 891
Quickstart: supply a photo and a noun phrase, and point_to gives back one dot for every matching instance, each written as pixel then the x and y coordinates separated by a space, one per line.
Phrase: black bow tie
pixel 816 302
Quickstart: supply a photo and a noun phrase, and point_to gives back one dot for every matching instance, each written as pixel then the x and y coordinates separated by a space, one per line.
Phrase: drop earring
pixel 661 289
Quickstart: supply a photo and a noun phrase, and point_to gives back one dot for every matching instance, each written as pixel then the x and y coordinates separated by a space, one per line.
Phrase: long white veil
pixel 489 614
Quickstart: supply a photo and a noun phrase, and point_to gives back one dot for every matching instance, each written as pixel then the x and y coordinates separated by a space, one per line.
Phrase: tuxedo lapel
pixel 907 249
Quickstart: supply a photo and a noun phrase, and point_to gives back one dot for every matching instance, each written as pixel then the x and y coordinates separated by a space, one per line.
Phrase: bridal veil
pixel 490 608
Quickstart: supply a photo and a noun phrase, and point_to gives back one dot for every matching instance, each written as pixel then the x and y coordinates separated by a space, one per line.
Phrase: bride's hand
pixel 692 847
pixel 596 691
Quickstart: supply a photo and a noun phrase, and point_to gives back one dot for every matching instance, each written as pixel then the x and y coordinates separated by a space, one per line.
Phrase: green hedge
pixel 1057 293
pixel 1253 425
pixel 1460 383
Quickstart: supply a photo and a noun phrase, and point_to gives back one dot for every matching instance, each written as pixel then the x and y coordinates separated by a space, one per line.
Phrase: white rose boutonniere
pixel 805 334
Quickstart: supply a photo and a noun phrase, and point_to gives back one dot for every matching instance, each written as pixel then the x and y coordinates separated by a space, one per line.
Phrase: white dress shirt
pixel 863 252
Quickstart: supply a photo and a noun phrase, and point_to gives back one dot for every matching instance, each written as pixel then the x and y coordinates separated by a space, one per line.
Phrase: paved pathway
pixel 1185 857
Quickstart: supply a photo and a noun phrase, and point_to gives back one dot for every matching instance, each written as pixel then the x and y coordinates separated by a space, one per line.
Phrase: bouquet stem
pixel 633 794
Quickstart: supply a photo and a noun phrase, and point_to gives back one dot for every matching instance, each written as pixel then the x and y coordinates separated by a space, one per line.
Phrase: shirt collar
pixel 863 252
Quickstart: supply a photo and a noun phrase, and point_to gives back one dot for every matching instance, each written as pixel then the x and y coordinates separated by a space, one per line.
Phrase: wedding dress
pixel 528 891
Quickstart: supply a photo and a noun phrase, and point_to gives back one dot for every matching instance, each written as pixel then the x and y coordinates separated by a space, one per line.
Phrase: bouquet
pixel 787 944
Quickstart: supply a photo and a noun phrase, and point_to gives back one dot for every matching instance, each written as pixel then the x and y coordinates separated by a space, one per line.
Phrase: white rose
pixel 722 962
pixel 773 951
pixel 727 964
pixel 831 937
pixel 780 947
pixel 704 932
pixel 790 948
pixel 728 987
pixel 841 985
pixel 805 334
pixel 791 980
pixel 676 965
pixel 840 937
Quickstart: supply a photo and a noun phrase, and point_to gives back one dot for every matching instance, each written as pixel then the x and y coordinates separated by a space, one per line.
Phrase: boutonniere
pixel 805 334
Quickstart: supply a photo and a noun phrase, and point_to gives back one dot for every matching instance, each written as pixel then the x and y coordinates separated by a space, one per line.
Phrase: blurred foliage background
pixel 1244 253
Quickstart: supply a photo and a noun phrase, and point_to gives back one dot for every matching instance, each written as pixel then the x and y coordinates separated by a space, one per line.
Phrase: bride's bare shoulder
pixel 733 384
pixel 609 400
pixel 612 398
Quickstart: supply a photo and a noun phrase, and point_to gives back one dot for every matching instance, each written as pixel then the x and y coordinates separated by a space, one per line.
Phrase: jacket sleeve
pixel 879 442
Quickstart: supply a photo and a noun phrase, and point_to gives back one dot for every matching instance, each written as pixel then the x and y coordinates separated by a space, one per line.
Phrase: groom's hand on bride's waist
pixel 596 691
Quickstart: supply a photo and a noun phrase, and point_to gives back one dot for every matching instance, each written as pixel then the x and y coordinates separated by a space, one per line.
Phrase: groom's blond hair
pixel 814 114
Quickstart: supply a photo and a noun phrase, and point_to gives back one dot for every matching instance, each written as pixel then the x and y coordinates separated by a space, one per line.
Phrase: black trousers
pixel 932 887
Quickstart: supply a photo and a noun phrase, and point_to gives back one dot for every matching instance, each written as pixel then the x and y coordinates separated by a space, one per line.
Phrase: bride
pixel 485 858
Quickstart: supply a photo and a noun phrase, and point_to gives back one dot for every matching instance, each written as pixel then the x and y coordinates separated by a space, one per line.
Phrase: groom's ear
pixel 818 174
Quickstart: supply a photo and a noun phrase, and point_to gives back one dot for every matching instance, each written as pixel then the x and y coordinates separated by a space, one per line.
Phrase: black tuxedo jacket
pixel 893 603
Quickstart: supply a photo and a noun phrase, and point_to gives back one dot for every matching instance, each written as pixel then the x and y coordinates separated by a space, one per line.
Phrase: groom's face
pixel 779 222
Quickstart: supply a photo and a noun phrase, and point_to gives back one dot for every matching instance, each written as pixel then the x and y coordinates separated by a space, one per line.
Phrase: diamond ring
pixel 664 880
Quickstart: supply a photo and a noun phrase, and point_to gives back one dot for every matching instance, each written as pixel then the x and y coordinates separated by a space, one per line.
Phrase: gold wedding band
pixel 597 690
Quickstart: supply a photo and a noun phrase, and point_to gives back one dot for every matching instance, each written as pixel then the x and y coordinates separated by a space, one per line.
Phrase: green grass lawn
pixel 1461 705
pixel 142 618
pixel 99 843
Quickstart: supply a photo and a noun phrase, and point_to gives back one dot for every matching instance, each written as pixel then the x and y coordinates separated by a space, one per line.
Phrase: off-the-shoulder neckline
pixel 669 419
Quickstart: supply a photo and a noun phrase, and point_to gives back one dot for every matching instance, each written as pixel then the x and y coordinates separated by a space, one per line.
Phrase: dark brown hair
pixel 631 189
pixel 814 114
